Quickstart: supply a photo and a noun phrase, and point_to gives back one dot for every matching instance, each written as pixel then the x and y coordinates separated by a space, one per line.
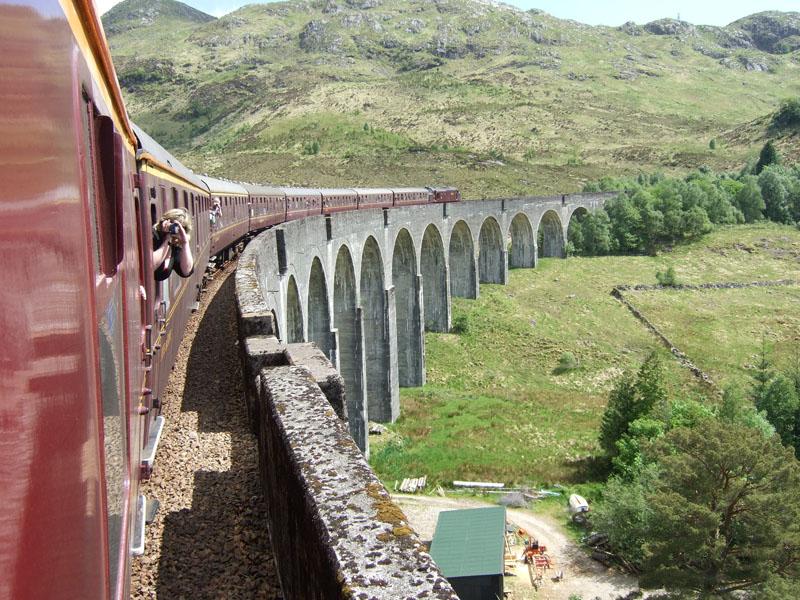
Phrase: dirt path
pixel 583 576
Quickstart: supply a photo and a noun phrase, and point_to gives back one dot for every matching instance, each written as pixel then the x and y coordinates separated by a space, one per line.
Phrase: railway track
pixel 209 537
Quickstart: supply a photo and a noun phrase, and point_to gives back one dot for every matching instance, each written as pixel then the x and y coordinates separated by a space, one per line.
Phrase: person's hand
pixel 180 238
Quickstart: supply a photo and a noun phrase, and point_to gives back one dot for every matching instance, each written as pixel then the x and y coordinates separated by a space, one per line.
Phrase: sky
pixel 593 12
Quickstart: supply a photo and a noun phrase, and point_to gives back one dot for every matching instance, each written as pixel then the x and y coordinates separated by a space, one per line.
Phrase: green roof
pixel 470 542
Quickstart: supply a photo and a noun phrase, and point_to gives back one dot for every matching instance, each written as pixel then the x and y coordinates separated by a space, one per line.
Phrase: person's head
pixel 216 202
pixel 178 215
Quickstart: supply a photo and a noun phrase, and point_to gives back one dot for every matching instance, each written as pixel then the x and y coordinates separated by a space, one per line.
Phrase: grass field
pixel 495 407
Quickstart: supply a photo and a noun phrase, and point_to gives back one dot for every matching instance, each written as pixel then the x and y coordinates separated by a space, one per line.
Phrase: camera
pixel 173 228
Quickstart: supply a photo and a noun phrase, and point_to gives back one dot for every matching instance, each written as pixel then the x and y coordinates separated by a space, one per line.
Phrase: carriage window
pixel 185 200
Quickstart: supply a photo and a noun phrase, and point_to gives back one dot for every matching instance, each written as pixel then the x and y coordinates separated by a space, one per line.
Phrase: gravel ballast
pixel 209 538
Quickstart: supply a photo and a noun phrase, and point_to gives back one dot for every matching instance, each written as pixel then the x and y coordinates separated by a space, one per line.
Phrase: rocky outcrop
pixel 669 27
pixel 772 31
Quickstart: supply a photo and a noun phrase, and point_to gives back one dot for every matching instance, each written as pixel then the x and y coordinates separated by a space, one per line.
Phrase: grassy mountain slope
pixel 496 408
pixel 482 95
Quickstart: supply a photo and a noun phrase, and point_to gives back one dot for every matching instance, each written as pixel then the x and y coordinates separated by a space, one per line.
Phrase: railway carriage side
pixel 410 196
pixel 337 200
pixel 235 207
pixel 374 198
pixel 302 202
pixel 165 184
pixel 70 371
pixel 267 206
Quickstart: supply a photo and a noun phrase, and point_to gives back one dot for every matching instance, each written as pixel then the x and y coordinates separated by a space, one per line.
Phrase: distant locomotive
pixel 89 334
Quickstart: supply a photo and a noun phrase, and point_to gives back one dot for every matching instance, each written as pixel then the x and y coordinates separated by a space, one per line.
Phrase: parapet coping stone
pixel 379 556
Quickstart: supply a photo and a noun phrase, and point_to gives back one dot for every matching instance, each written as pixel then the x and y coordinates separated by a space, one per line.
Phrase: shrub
pixel 311 148
pixel 788 115
pixel 460 324
pixel 712 144
pixel 667 278
pixel 567 362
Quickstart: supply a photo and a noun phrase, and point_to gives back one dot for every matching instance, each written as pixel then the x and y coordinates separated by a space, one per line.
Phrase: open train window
pixel 185 200
pixel 104 181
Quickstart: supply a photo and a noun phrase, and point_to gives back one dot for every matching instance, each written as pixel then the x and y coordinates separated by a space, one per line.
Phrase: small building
pixel 469 547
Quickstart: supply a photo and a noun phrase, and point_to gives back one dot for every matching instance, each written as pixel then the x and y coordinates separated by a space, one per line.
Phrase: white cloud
pixel 103 6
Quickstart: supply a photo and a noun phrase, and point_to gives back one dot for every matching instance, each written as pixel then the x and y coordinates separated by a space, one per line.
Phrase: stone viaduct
pixel 366 285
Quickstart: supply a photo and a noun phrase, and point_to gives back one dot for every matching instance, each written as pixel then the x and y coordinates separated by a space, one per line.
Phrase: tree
pixel 762 376
pixel 749 200
pixel 769 156
pixel 725 511
pixel 596 229
pixel 780 404
pixel 624 514
pixel 630 399
pixel 736 408
pixel 774 189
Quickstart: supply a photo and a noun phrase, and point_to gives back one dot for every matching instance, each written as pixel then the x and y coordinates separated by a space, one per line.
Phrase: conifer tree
pixel 768 156
pixel 725 511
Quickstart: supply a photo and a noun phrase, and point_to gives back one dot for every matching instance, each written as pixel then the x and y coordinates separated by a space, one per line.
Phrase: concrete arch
pixel 409 330
pixel 319 318
pixel 523 246
pixel 294 313
pixel 492 254
pixel 350 355
pixel 461 254
pixel 574 233
pixel 376 333
pixel 434 281
pixel 550 235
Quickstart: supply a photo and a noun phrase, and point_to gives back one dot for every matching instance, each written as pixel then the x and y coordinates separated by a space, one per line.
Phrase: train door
pixel 104 201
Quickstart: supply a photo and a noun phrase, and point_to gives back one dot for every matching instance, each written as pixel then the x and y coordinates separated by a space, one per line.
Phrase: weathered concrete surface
pixel 334 529
pixel 323 372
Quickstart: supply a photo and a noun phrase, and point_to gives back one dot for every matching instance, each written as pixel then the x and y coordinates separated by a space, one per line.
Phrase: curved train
pixel 90 336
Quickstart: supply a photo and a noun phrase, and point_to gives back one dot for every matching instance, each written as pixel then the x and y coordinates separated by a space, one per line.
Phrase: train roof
pixel 152 151
pixel 223 187
pixel 408 190
pixel 301 191
pixel 337 191
pixel 373 190
pixel 259 189
pixel 443 188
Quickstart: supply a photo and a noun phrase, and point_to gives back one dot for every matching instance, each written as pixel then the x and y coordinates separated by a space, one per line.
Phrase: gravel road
pixel 209 538
pixel 583 577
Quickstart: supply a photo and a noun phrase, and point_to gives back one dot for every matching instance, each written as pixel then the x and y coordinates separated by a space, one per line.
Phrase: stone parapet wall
pixel 334 529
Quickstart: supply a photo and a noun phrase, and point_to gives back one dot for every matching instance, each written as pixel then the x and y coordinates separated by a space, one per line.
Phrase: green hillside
pixel 497 408
pixel 482 95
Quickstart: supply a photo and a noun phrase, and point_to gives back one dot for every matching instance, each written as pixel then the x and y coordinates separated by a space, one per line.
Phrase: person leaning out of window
pixel 171 248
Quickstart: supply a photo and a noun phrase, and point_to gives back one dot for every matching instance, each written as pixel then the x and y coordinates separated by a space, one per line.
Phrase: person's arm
pixel 185 260
pixel 162 253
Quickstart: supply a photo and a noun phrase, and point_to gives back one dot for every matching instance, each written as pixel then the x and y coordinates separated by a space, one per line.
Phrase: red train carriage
pixel 72 309
pixel 267 205
pixel 89 336
pixel 374 197
pixel 302 202
pixel 165 184
pixel 445 194
pixel 337 200
pixel 408 196
pixel 235 206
